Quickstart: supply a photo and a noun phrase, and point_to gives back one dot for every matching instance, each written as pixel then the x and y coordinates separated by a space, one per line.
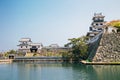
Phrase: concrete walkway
pixel 100 63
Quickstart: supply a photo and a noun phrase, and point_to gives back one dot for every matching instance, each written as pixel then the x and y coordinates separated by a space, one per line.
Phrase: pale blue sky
pixel 50 21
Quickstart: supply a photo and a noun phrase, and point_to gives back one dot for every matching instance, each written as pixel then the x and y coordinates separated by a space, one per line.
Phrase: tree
pixel 9 52
pixel 79 47
pixel 114 23
pixel 12 52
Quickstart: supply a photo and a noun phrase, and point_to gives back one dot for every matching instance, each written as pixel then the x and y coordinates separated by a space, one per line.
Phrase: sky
pixel 50 21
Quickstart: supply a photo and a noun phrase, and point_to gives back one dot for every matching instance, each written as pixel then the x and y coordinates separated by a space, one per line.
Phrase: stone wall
pixel 108 49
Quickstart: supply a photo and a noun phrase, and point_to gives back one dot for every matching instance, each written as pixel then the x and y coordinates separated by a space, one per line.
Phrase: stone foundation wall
pixel 108 49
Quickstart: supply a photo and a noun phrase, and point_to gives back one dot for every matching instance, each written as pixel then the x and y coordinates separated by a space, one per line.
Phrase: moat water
pixel 58 71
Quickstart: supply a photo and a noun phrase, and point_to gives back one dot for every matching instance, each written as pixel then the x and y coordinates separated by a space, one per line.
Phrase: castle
pixel 26 45
pixel 104 43
pixel 96 30
pixel 98 27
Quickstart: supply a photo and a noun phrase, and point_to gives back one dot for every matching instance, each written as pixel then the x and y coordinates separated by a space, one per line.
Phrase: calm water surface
pixel 25 71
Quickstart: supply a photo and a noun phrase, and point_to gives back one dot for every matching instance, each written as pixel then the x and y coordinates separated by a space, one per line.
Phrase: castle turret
pixel 98 22
pixel 26 45
pixel 96 28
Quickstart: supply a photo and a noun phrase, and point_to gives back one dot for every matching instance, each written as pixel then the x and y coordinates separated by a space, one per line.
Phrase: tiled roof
pixel 35 44
pixel 25 39
pixel 23 45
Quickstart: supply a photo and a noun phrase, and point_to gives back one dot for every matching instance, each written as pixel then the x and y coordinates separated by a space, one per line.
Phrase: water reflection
pixel 107 72
pixel 65 71
pixel 57 72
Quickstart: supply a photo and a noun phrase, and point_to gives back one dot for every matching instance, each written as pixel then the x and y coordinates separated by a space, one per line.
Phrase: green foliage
pixel 34 54
pixel 66 55
pixel 9 52
pixel 88 60
pixel 115 23
pixel 79 47
pixel 12 52
pixel 6 54
pixel 50 54
pixel 20 54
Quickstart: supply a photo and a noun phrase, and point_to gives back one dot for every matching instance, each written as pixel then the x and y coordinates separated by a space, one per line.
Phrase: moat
pixel 58 71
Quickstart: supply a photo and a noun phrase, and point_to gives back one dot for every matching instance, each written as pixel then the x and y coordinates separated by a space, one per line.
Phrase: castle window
pixel 99 28
pixel 101 24
pixel 26 46
pixel 97 24
pixel 91 29
pixel 21 46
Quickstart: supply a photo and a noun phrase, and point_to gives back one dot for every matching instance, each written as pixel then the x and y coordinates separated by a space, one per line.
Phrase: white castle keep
pixel 26 45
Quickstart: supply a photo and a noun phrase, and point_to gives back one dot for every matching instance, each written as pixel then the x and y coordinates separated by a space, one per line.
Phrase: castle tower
pixel 98 22
pixel 24 45
pixel 96 28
